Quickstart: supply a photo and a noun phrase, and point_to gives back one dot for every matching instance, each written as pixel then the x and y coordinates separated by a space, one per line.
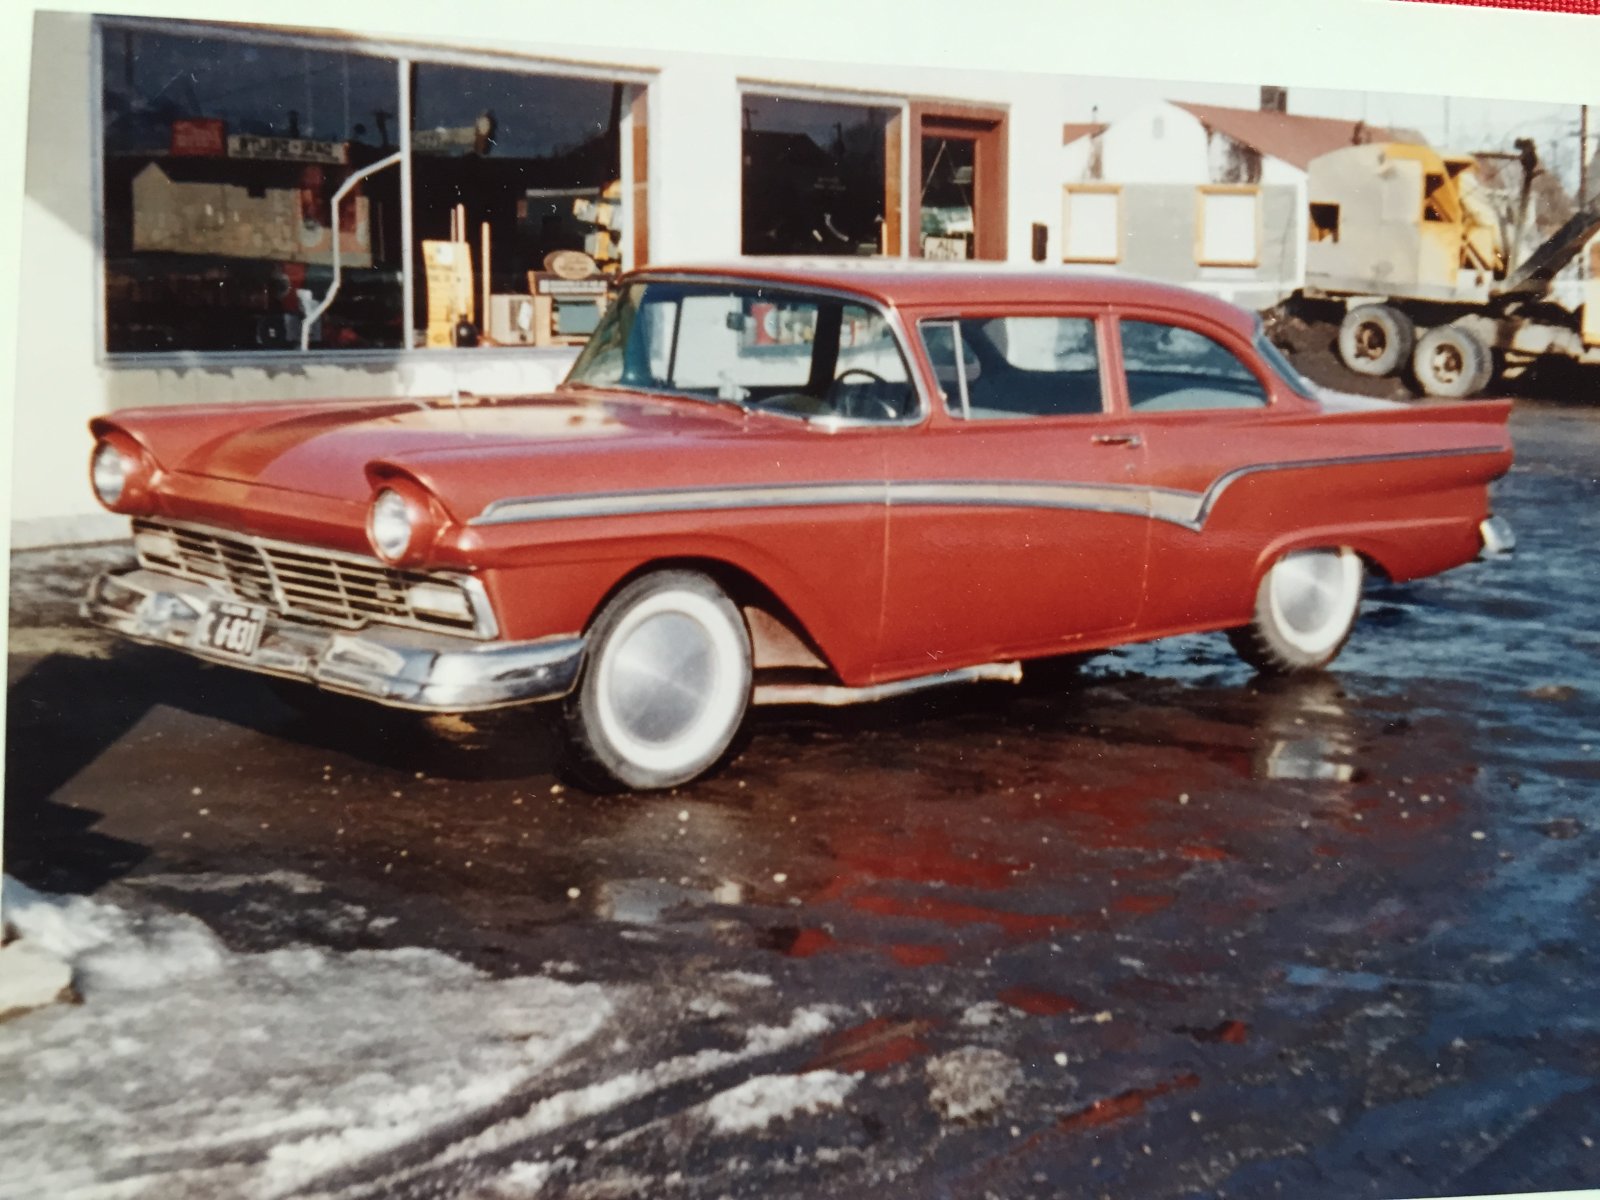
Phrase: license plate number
pixel 230 628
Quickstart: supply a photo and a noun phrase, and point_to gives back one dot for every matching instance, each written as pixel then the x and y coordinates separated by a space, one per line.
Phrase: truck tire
pixel 666 680
pixel 1451 362
pixel 1376 339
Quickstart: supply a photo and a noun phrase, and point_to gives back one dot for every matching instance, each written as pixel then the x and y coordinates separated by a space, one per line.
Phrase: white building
pixel 147 287
pixel 1200 194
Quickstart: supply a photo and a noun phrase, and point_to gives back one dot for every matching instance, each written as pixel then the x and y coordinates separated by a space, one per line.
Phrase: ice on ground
pixel 192 1071
pixel 291 881
pixel 971 1083
pixel 984 1014
pixel 757 1102
pixel 525 1180
pixel 108 947
pixel 562 1109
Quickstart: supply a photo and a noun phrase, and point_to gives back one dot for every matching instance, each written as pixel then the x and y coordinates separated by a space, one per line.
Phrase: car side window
pixel 1171 369
pixel 1001 368
pixel 787 352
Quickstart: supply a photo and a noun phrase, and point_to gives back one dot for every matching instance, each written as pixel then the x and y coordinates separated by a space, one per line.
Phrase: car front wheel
pixel 1305 609
pixel 664 687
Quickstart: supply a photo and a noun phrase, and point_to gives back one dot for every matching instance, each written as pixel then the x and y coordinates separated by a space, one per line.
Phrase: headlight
pixel 390 525
pixel 109 470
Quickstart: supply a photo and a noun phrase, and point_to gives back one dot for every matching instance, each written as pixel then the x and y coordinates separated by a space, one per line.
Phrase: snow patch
pixel 252 1075
pixel 757 1102
pixel 290 881
pixel 971 1083
pixel 109 947
pixel 526 1180
pixel 984 1014
pixel 566 1108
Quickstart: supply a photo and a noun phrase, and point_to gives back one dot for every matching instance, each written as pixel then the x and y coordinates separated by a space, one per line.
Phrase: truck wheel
pixel 1451 362
pixel 664 687
pixel 1305 609
pixel 1376 339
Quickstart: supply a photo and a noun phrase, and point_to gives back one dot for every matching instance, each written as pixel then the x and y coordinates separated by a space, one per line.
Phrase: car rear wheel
pixel 1305 609
pixel 1451 362
pixel 1376 339
pixel 664 687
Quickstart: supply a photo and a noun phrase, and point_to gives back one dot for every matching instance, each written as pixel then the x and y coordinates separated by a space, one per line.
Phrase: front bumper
pixel 402 668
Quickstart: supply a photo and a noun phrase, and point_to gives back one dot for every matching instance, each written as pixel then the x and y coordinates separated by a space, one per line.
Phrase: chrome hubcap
pixel 1309 591
pixel 661 677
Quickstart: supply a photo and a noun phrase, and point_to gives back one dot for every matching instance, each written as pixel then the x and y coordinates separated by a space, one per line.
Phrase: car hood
pixel 326 449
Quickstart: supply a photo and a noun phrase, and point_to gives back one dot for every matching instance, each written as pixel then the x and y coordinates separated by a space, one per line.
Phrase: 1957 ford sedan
pixel 784 483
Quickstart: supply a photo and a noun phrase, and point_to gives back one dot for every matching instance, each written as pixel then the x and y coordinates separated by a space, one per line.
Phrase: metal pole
pixel 1583 155
pixel 408 303
pixel 315 315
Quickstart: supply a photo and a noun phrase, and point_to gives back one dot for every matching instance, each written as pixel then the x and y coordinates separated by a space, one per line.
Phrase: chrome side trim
pixel 1222 483
pixel 715 499
pixel 1172 505
pixel 833 696
pixel 397 667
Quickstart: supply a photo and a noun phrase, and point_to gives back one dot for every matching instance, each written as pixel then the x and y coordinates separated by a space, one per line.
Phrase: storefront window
pixel 222 154
pixel 220 163
pixel 535 158
pixel 820 177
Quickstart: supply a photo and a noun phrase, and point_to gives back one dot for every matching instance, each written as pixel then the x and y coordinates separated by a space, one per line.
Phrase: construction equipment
pixel 1431 273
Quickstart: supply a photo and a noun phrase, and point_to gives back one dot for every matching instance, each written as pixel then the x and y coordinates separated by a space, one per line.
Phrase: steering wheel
pixel 885 409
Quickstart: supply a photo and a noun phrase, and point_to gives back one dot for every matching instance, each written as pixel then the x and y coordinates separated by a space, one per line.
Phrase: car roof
pixel 917 283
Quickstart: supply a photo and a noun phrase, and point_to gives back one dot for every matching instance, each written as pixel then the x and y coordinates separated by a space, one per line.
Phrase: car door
pixel 1017 521
pixel 1203 408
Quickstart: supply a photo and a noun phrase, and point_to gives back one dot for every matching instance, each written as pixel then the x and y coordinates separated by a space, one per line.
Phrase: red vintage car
pixel 806 482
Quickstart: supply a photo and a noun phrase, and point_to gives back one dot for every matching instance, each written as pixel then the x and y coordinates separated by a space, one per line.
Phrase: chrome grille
pixel 299 581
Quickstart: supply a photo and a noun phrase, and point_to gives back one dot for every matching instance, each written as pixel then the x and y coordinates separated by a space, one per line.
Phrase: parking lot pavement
pixel 1158 929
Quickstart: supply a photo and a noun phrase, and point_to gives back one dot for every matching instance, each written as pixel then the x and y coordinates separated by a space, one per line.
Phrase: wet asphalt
pixel 1219 935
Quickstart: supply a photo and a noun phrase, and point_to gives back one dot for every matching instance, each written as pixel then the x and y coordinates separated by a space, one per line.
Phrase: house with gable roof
pixel 1200 194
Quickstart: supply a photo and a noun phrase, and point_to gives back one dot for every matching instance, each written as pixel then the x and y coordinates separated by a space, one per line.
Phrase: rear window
pixel 1173 369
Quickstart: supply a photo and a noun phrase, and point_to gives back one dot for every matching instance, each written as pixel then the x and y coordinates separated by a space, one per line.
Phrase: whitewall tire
pixel 1305 609
pixel 665 684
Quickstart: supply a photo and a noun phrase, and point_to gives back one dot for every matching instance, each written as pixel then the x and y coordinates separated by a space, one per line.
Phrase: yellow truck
pixel 1410 242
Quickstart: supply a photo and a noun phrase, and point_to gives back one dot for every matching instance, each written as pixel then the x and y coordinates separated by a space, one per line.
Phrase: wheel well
pixel 778 638
pixel 1373 568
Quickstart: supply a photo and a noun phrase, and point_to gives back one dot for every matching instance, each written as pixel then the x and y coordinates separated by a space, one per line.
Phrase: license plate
pixel 230 628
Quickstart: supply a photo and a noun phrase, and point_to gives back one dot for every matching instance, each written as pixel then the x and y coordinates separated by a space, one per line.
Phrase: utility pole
pixel 1583 155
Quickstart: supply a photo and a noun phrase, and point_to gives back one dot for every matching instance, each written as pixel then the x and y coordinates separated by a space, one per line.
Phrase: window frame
pixel 1071 189
pixel 755 86
pixel 892 320
pixel 1205 190
pixel 1243 350
pixel 405 55
pixel 1106 340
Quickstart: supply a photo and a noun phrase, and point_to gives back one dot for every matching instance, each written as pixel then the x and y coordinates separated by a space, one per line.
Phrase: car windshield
pixel 790 352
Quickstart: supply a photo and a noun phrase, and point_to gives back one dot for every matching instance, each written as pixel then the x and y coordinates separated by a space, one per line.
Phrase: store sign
pixel 944 247
pixel 198 138
pixel 276 149
pixel 570 264
pixel 546 286
pixel 460 139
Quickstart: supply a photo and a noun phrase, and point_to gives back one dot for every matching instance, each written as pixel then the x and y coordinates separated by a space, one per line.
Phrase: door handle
pixel 1117 439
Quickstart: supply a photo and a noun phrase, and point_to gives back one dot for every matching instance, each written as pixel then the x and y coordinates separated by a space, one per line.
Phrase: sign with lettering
pixel 277 149
pixel 198 138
